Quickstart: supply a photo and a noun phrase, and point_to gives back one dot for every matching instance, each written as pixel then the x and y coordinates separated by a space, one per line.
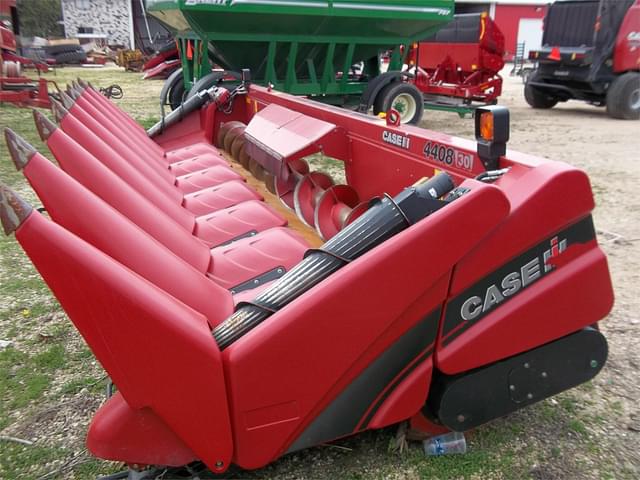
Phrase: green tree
pixel 41 18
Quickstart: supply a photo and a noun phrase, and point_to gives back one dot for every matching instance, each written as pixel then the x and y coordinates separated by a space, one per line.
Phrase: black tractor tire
pixel 53 50
pixel 536 98
pixel 377 102
pixel 403 97
pixel 70 57
pixel 526 73
pixel 623 97
pixel 208 81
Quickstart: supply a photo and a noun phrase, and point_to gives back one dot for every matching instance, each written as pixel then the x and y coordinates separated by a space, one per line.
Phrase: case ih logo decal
pixel 557 247
pixel 448 156
pixel 512 283
pixel 396 139
pixel 511 279
pixel 634 37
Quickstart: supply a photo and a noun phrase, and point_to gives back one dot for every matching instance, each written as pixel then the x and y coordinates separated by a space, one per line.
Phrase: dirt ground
pixel 50 385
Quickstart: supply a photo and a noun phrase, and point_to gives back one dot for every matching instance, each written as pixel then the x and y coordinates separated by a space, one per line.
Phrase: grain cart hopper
pixel 590 52
pixel 459 66
pixel 305 47
pixel 247 306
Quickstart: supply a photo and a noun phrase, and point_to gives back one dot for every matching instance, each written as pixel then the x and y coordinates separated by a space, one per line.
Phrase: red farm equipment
pixel 459 66
pixel 590 52
pixel 246 306
pixel 14 87
pixel 163 63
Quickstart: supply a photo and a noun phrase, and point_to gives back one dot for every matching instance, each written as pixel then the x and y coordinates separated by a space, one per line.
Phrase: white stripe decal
pixel 288 3
pixel 190 3
pixel 366 6
pixel 318 4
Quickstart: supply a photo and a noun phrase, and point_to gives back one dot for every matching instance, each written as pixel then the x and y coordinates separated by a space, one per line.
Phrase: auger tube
pixel 384 219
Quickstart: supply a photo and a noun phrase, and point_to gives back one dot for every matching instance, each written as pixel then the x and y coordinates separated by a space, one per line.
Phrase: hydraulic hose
pixel 218 95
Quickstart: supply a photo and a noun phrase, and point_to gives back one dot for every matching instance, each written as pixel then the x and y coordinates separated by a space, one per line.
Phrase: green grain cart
pixel 328 50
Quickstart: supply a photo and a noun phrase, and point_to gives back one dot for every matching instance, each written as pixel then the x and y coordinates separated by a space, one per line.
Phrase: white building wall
pixel 110 17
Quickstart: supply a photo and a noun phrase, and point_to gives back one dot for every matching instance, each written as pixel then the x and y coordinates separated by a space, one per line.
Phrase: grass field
pixel 50 383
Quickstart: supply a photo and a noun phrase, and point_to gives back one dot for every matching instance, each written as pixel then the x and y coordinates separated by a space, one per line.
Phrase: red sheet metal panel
pixel 277 133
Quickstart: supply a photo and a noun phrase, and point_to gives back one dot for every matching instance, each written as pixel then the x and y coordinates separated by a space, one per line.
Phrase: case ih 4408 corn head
pixel 457 282
pixel 246 306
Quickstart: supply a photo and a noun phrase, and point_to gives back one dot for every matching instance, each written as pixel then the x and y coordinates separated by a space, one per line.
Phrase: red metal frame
pixel 27 62
pixel 26 98
pixel 468 71
pixel 7 37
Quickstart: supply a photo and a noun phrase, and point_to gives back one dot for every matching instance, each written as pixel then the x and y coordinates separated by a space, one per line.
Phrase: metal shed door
pixel 530 32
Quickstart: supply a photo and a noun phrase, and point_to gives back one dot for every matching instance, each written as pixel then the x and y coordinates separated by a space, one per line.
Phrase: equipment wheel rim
pixel 406 106
pixel 634 99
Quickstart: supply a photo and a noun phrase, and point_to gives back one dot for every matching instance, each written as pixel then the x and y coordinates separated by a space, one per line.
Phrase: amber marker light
pixel 486 126
pixel 492 134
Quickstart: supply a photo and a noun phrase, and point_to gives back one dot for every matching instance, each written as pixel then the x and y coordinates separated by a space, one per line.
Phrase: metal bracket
pixel 259 280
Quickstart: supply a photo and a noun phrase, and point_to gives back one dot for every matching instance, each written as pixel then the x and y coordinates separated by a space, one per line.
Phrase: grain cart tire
pixel 623 97
pixel 536 98
pixel 377 103
pixel 173 90
pixel 53 50
pixel 175 81
pixel 208 81
pixel 176 94
pixel 403 97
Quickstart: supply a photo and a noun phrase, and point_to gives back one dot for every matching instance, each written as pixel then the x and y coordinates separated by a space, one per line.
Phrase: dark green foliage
pixel 40 18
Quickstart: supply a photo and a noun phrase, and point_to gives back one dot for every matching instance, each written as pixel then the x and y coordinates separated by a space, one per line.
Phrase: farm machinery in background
pixel 365 69
pixel 14 87
pixel 458 68
pixel 305 48
pixel 590 52
pixel 163 63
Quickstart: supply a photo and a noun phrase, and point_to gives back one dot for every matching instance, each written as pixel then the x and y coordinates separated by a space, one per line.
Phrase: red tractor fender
pixel 626 55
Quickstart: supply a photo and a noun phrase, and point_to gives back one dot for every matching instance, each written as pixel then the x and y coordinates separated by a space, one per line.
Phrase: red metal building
pixel 519 20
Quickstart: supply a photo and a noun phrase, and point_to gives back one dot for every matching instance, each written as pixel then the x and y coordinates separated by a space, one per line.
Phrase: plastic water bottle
pixel 449 443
